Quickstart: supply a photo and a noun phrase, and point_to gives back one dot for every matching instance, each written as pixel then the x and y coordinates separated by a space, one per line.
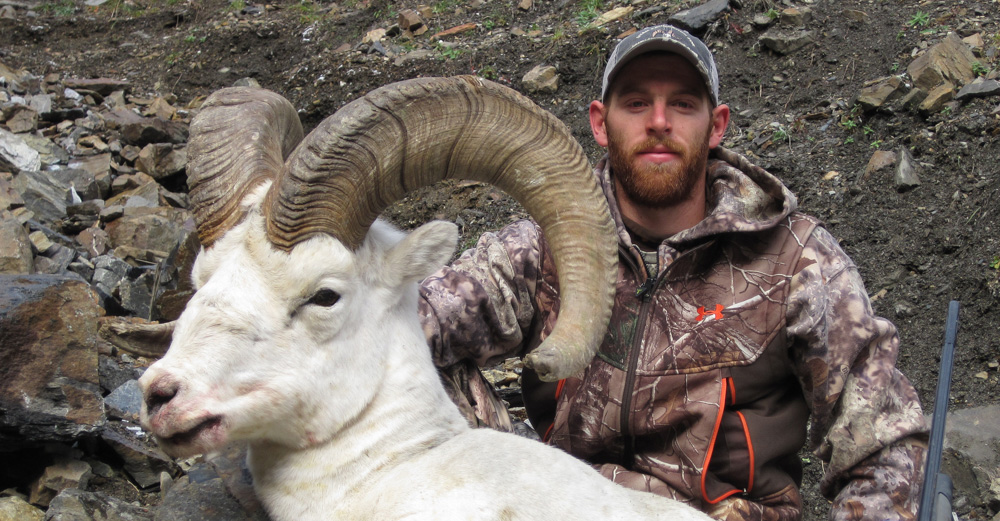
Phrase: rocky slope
pixel 883 117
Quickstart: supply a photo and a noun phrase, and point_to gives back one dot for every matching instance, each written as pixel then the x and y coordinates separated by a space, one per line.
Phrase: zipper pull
pixel 643 290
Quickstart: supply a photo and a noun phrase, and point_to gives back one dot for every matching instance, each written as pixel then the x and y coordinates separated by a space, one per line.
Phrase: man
pixel 737 323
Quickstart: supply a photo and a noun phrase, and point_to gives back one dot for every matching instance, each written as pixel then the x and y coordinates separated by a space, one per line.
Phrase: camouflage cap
pixel 664 38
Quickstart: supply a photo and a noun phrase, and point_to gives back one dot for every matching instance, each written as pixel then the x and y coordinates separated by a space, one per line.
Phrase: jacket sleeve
pixel 481 306
pixel 867 423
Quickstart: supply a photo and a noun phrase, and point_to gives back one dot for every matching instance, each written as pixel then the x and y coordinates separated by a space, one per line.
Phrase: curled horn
pixel 239 139
pixel 411 134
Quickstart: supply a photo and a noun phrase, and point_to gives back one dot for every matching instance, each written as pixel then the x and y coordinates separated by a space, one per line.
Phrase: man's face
pixel 658 125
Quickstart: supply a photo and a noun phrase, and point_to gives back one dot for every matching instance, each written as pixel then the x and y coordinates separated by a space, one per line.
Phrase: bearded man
pixel 741 332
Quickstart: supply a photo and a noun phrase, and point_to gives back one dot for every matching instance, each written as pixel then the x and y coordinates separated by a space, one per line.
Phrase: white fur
pixel 341 406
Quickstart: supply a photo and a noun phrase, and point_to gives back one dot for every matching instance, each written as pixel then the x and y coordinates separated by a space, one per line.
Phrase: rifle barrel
pixel 935 488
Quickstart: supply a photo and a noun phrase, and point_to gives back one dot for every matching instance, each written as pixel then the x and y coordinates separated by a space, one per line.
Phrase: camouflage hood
pixel 742 197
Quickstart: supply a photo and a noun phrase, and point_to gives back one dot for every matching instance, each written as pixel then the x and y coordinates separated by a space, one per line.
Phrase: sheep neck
pixel 410 414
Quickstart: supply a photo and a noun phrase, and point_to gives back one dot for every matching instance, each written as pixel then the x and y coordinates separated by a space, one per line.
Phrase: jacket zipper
pixel 643 292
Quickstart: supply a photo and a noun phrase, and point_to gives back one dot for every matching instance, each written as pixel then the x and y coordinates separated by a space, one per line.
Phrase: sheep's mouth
pixel 208 428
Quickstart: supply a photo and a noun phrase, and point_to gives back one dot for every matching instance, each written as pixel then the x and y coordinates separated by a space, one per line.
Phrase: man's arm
pixel 481 306
pixel 866 417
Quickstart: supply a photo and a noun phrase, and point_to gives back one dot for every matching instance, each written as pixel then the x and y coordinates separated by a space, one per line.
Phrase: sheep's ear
pixel 422 252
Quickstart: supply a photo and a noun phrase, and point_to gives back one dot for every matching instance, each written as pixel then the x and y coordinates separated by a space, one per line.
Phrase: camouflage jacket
pixel 723 346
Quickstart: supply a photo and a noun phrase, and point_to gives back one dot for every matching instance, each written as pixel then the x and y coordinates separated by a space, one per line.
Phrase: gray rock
pixel 906 177
pixel 115 373
pixel 109 271
pixel 979 88
pixel 786 43
pixel 697 18
pixel 16 154
pixel 43 194
pixel 159 229
pixel 102 86
pixel 218 489
pixel 79 505
pixel 971 458
pixel 49 387
pixel 142 458
pixel 9 198
pixel 796 16
pixel 15 248
pixel 49 153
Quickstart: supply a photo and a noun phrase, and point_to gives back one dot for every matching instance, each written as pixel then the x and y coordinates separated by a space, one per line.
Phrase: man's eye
pixel 325 297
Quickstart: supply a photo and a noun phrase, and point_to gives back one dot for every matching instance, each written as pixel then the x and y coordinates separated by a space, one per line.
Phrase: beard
pixel 652 185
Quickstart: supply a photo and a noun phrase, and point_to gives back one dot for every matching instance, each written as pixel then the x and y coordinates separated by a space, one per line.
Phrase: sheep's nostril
pixel 159 394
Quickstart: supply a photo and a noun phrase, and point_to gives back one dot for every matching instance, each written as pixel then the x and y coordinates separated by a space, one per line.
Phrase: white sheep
pixel 303 337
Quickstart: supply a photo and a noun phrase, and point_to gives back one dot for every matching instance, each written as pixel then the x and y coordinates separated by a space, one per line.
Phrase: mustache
pixel 665 143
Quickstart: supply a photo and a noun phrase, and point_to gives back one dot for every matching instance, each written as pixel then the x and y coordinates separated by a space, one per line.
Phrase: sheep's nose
pixel 159 393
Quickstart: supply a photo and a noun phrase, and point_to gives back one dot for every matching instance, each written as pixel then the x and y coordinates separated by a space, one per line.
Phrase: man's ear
pixel 597 123
pixel 720 120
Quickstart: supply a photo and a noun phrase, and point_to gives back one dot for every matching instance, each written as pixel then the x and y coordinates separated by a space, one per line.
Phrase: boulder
pixel 49 385
pixel 15 247
pixel 950 61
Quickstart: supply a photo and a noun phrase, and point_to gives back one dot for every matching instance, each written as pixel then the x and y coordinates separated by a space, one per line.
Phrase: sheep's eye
pixel 325 297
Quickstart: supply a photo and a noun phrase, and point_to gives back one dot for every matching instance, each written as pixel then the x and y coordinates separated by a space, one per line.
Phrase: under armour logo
pixel 717 314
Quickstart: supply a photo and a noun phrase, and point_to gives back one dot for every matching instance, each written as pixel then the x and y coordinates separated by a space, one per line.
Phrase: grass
pixel 61 8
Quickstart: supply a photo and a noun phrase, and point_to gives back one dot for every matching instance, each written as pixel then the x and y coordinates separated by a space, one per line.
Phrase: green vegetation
pixel 236 5
pixel 979 69
pixel 448 53
pixel 61 8
pixel 444 6
pixel 773 13
pixel 875 144
pixel 920 18
pixel 996 262
pixel 489 72
pixel 589 9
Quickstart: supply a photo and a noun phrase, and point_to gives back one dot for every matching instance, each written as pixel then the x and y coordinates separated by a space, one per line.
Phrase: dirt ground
pixel 793 115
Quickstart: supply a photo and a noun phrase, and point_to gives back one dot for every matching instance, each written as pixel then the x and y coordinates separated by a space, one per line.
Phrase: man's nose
pixel 659 119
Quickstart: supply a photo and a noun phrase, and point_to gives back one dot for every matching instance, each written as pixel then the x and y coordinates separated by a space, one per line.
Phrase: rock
pixel 9 198
pixel 161 160
pixel 796 16
pixel 15 154
pixel 979 88
pixel 143 459
pixel 49 387
pixel 79 505
pixel 39 241
pixel 15 248
pixel 906 177
pixel 373 36
pixel 43 194
pixel 970 457
pixel 219 489
pixel 49 153
pixel 125 402
pixel 410 20
pixel 878 93
pixel 14 508
pixel 525 5
pixel 95 240
pixel 879 161
pixel 786 43
pixel 697 18
pixel 21 118
pixel 947 62
pixel 115 373
pixel 855 15
pixel 159 229
pixel 541 78
pixel 102 86
pixel 937 98
pixel 762 21
pixel 63 474
pixel 154 130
